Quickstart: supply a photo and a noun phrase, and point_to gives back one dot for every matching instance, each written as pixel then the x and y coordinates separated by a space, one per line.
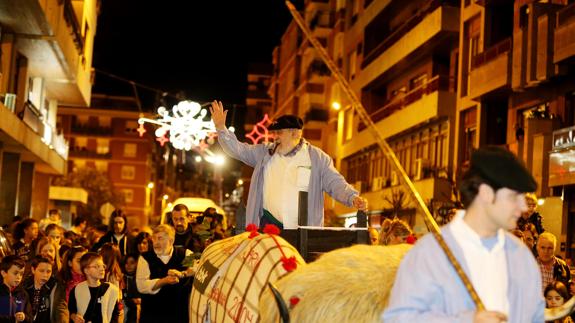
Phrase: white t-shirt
pixel 284 178
pixel 487 267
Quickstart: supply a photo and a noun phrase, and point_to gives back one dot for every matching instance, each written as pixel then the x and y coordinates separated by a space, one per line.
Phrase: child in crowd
pixel 40 288
pixel 70 276
pixel 14 305
pixel 131 294
pixel 555 295
pixel 47 248
pixel 93 300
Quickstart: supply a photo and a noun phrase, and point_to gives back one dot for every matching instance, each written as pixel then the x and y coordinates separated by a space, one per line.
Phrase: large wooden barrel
pixel 232 275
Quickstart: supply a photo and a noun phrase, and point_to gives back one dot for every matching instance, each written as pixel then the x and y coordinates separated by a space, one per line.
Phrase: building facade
pixel 45 60
pixel 517 90
pixel 105 137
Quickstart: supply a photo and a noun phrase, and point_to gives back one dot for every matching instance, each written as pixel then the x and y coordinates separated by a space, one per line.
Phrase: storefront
pixel 562 180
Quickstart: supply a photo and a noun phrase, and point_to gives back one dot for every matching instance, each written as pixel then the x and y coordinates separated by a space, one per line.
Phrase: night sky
pixel 199 47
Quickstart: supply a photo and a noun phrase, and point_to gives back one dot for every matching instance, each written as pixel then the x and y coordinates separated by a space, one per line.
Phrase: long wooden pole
pixel 388 152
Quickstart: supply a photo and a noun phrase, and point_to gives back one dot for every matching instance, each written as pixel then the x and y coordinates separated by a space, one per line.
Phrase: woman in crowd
pixel 143 242
pixel 24 234
pixel 556 294
pixel 117 233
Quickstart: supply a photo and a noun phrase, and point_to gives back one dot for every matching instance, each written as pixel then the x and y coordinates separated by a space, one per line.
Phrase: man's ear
pixel 486 193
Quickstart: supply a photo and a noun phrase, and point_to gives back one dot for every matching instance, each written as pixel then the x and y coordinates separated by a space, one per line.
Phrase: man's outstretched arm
pixel 248 154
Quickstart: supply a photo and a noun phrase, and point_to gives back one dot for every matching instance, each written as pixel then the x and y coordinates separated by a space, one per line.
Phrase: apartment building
pixel 401 59
pixel 45 60
pixel 518 90
pixel 300 80
pixel 106 137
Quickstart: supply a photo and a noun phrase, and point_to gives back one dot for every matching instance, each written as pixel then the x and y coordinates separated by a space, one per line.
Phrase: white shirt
pixel 487 268
pixel 143 282
pixel 284 178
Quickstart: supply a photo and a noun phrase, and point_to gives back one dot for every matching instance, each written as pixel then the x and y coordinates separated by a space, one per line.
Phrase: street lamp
pixel 336 105
pixel 151 185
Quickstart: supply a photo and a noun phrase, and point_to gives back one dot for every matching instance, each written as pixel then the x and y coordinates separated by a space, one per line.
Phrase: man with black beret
pixel 500 267
pixel 283 169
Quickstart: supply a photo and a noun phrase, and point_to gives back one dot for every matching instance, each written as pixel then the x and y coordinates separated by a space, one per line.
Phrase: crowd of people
pixel 112 274
pixel 103 274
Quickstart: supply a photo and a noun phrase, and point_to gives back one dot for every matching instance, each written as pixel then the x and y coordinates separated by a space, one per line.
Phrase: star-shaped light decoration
pixel 184 127
pixel 141 129
pixel 260 131
pixel 162 140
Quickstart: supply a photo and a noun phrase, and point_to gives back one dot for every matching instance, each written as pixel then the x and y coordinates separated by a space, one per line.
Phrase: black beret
pixel 501 168
pixel 287 121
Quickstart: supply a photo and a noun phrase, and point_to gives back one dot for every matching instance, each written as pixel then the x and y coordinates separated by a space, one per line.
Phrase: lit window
pixel 128 195
pixel 130 150
pixel 128 172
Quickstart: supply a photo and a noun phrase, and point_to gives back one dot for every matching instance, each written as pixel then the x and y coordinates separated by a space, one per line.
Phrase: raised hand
pixel 218 115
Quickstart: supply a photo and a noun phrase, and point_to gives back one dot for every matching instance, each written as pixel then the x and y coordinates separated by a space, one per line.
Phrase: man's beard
pixel 180 228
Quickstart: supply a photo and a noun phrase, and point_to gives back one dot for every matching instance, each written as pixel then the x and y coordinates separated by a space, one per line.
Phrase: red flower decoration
pixel 254 234
pixel 411 239
pixel 289 264
pixel 271 229
pixel 252 227
pixel 293 301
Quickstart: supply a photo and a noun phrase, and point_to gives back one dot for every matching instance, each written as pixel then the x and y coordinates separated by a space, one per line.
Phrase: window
pixel 82 120
pixel 105 121
pixel 102 146
pixel 128 172
pixel 130 150
pixel 469 133
pixel 80 142
pixel 128 195
pixel 131 127
pixel 351 65
pixel 101 165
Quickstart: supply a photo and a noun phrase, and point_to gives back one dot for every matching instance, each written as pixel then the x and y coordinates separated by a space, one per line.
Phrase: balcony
pixel 491 70
pixel 564 48
pixel 49 33
pixel 41 146
pixel 83 152
pixel 91 130
pixel 430 28
pixel 416 105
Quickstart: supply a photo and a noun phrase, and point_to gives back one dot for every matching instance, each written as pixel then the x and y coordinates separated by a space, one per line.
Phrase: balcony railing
pixel 401 30
pixel 82 152
pixel 565 14
pixel 437 83
pixel 72 21
pixel 491 53
pixel 89 130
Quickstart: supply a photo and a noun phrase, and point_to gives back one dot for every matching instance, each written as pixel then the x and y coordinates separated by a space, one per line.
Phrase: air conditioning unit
pixel 420 165
pixel 394 178
pixel 10 101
